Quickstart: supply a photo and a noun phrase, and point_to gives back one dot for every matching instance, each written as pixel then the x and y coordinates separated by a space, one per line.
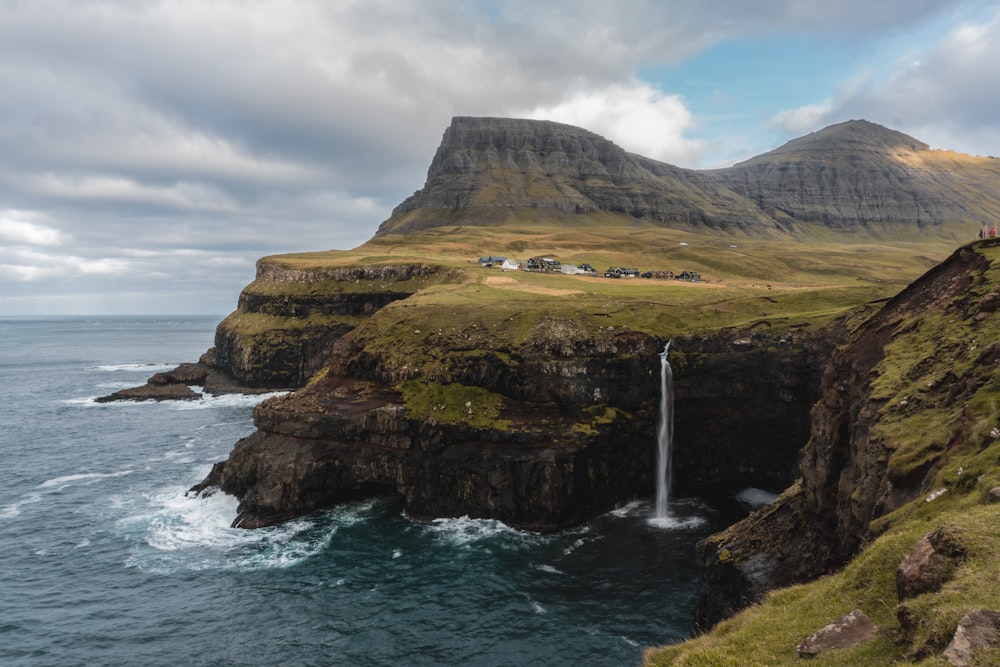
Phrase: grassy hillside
pixel 744 280
pixel 939 391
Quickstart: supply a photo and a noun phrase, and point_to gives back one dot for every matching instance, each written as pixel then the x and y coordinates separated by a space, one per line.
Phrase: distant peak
pixel 856 135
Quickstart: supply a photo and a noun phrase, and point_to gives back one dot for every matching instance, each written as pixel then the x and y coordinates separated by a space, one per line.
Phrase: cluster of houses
pixel 550 265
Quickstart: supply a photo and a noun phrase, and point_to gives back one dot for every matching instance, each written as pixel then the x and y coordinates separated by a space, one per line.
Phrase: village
pixel 550 265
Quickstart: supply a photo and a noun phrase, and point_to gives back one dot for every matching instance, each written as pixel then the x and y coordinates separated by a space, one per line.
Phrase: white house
pixel 510 265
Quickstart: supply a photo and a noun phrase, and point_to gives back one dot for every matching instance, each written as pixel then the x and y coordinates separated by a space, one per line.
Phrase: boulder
pixel 849 630
pixel 928 566
pixel 977 629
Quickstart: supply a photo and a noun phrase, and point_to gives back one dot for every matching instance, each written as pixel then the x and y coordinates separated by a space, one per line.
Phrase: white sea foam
pixel 628 509
pixel 223 400
pixel 14 509
pixel 465 531
pixel 176 532
pixel 548 568
pixel 88 477
pixel 671 522
pixel 135 368
pixel 578 543
pixel 537 608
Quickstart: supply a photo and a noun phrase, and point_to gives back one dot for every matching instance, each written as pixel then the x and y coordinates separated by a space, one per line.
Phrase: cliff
pixel 542 433
pixel 853 178
pixel 903 440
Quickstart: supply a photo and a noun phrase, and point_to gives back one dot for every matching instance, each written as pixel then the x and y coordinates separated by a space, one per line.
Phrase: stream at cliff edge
pixel 105 561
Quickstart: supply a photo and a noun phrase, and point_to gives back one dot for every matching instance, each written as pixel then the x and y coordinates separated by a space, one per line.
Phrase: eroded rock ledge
pixel 549 455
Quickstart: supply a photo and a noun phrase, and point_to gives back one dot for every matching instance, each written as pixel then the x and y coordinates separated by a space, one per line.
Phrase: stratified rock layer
pixel 854 177
pixel 551 458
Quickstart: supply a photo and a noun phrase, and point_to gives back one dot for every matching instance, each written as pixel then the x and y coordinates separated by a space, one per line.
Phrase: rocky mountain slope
pixel 855 177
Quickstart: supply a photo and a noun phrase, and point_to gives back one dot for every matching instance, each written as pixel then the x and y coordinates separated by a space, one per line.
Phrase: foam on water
pixel 175 532
pixel 627 509
pixel 466 532
pixel 55 485
pixel 14 509
pixel 211 401
pixel 676 523
pixel 88 477
pixel 135 368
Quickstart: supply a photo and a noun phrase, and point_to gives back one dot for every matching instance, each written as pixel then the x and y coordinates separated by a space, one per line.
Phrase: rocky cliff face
pixel 287 320
pixel 908 390
pixel 540 435
pixel 852 177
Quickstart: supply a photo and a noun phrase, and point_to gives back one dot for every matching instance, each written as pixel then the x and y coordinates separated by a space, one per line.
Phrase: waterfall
pixel 664 436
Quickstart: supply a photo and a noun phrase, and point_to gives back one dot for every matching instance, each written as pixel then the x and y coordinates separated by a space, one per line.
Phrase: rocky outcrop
pixel 847 631
pixel 177 384
pixel 978 629
pixel 288 319
pixel 918 356
pixel 569 434
pixel 852 177
pixel 929 565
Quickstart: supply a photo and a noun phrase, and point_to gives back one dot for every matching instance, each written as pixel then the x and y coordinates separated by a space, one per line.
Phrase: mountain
pixel 852 177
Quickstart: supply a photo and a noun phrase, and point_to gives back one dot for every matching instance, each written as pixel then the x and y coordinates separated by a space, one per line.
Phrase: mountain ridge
pixel 851 177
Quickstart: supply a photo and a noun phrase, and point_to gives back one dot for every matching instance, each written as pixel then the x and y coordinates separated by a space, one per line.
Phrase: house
pixel 491 261
pixel 692 276
pixel 510 265
pixel 542 264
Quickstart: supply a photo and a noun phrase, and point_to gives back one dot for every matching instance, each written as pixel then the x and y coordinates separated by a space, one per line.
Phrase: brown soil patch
pixel 503 282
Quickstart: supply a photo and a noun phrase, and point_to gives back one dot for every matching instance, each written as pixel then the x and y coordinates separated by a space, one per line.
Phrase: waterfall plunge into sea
pixel 664 438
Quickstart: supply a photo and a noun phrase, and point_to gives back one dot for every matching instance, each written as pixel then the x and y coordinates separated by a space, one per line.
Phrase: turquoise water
pixel 104 560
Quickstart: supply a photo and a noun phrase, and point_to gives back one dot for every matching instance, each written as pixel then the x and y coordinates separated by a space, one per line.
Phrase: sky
pixel 152 151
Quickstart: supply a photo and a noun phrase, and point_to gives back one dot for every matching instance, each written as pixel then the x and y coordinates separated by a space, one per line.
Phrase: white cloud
pixel 143 131
pixel 945 93
pixel 803 119
pixel 18 232
pixel 638 117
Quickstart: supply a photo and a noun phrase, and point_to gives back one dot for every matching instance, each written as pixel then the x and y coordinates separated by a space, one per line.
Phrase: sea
pixel 105 559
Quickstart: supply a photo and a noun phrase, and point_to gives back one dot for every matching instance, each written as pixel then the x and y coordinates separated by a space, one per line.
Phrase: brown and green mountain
pixel 852 178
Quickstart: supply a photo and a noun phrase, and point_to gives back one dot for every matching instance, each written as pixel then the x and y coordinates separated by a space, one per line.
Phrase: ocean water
pixel 104 560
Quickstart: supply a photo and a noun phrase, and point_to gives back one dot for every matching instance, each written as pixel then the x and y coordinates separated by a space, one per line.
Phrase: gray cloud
pixel 152 148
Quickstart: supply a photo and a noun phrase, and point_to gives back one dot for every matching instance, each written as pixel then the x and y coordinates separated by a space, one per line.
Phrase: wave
pixel 464 531
pixel 55 485
pixel 135 368
pixel 66 480
pixel 180 533
pixel 208 401
pixel 204 402
pixel 14 509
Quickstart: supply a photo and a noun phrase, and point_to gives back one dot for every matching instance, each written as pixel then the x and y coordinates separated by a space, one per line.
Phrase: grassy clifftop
pixel 935 396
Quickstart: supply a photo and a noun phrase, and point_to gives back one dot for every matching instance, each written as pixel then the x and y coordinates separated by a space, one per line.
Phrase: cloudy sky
pixel 150 152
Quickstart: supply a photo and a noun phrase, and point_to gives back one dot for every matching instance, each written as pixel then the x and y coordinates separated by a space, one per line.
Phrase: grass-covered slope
pixel 937 396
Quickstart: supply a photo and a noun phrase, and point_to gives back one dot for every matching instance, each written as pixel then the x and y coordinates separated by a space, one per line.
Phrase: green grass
pixel 940 405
